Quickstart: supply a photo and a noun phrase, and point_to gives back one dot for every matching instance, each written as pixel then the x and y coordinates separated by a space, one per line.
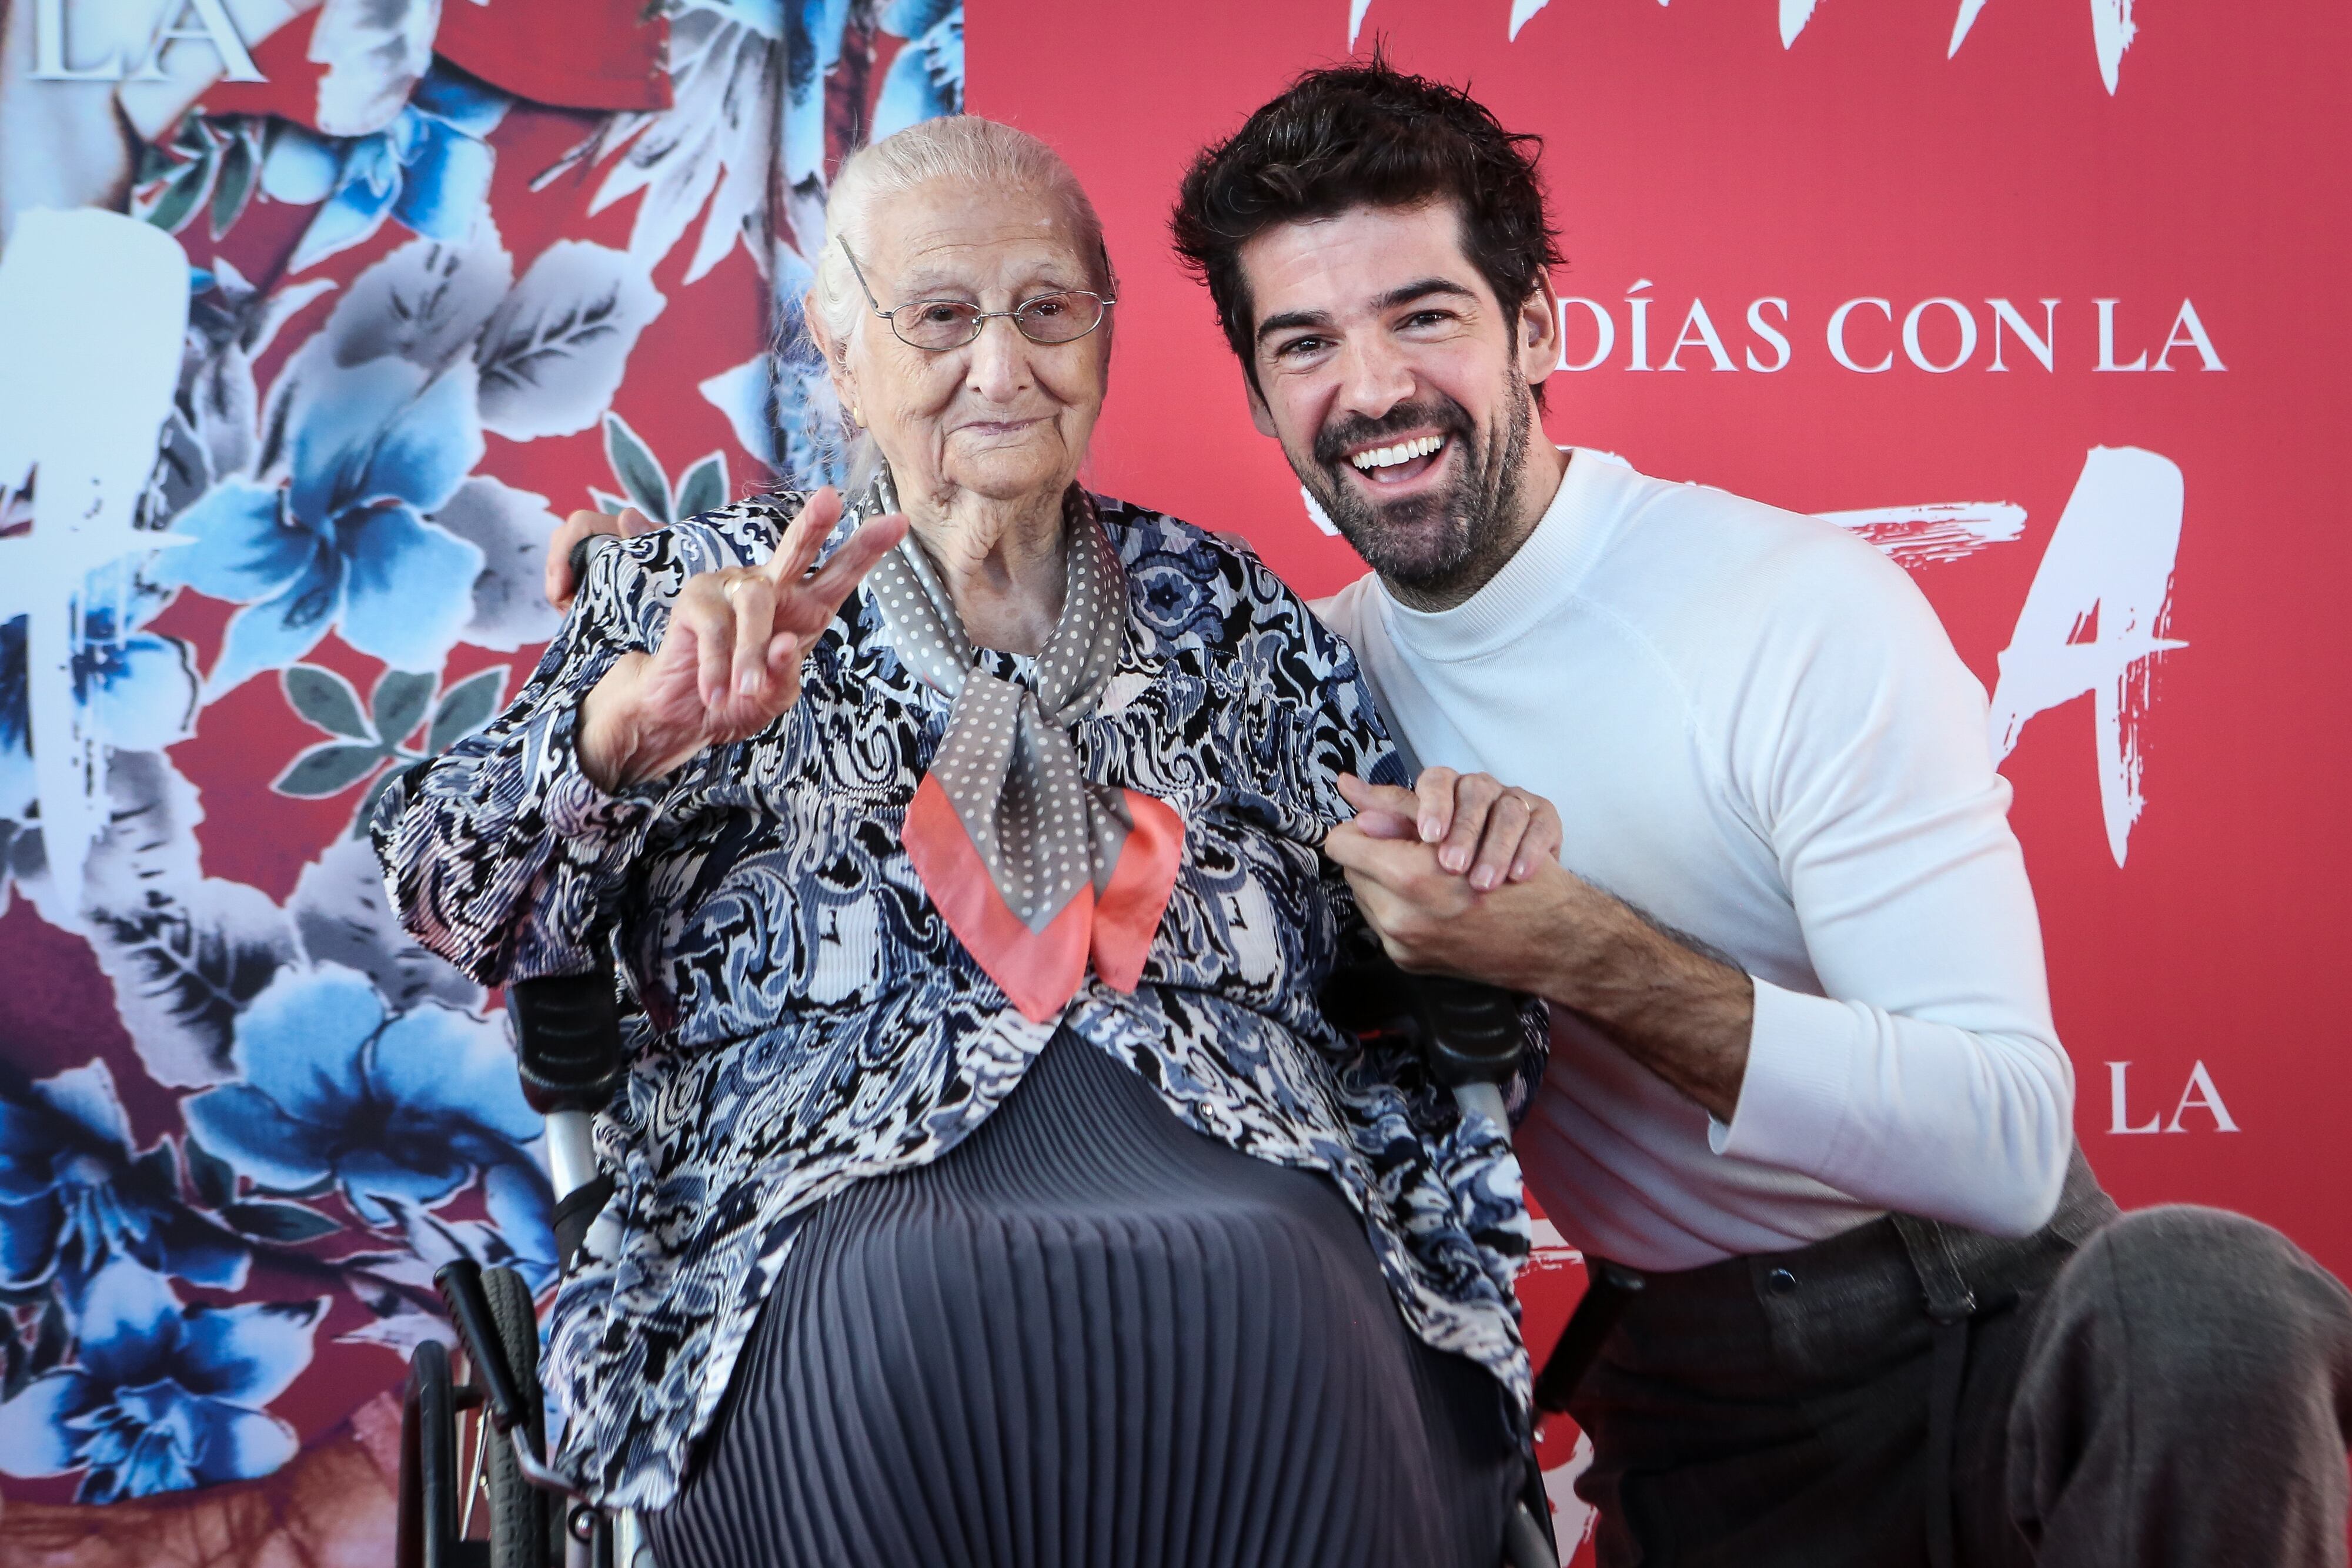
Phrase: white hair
pixel 980 154
pixel 977 154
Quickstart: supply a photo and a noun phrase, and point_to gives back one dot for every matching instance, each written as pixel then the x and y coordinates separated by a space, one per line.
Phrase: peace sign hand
pixel 731 659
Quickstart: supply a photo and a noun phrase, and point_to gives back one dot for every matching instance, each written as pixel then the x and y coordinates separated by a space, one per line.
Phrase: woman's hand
pixel 731 659
pixel 627 523
pixel 1481 827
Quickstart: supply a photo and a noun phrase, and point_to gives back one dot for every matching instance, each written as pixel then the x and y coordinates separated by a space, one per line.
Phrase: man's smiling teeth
pixel 1405 452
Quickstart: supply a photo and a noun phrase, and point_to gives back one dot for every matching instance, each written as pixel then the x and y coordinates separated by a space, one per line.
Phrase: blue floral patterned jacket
pixel 809 1020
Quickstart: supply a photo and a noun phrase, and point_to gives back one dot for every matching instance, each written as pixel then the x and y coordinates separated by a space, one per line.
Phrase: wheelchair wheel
pixel 526 1523
pixel 428 1464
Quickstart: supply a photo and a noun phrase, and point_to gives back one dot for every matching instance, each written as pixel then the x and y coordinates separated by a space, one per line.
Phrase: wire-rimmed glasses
pixel 938 325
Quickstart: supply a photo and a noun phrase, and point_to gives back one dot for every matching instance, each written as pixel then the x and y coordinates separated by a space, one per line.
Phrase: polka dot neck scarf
pixel 1035 867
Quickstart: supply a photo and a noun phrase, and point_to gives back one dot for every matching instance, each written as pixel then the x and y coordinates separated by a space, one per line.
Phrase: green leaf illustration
pixel 360 818
pixel 635 466
pixel 285 1222
pixel 704 488
pixel 239 167
pixel 465 709
pixel 215 1183
pixel 328 768
pixel 327 700
pixel 399 702
pixel 183 196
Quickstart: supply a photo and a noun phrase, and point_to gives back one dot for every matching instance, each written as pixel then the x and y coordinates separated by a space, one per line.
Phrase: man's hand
pixel 729 661
pixel 1535 926
pixel 1432 921
pixel 627 525
pixel 1478 825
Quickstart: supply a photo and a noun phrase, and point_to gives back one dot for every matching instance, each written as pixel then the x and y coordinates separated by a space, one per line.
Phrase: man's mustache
pixel 1334 442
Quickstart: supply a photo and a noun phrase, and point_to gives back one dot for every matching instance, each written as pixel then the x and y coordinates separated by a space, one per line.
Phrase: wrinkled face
pixel 1398 386
pixel 1001 417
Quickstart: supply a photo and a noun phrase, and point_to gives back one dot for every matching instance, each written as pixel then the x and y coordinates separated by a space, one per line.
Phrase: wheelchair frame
pixel 571 1061
pixel 568 1034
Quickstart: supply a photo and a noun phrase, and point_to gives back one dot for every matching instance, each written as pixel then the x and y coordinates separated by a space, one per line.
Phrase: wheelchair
pixel 473 1433
pixel 473 1428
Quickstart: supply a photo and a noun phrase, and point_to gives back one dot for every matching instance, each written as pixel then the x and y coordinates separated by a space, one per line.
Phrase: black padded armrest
pixel 568 1030
pixel 1467 1031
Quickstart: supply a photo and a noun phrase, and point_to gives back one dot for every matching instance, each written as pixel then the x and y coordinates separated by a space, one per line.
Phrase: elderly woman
pixel 991 1187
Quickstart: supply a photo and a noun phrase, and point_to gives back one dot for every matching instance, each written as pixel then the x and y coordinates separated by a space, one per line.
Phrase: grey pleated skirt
pixel 1090 1335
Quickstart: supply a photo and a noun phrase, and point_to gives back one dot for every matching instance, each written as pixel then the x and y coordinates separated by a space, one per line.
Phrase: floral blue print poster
pixel 315 316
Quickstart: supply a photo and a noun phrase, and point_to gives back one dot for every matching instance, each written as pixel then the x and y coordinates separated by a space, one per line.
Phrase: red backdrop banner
pixel 2045 299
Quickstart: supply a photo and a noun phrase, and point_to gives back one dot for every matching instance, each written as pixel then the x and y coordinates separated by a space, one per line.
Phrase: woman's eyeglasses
pixel 939 325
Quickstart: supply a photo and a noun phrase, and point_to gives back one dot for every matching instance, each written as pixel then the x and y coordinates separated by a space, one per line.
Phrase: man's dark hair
pixel 1358 135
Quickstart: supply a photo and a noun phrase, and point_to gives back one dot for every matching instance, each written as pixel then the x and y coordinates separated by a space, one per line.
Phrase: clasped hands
pixel 1459 874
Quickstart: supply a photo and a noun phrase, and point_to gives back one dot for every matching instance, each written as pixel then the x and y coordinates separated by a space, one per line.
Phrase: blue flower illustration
pixel 781 403
pixel 813 46
pixel 430 168
pixel 133 687
pixel 397 1111
pixel 73 1195
pixel 166 1397
pixel 517 1232
pixel 19 788
pixel 521 1206
pixel 344 542
pixel 139 688
pixel 927 79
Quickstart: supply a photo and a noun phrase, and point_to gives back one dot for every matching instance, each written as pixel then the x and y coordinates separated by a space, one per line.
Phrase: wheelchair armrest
pixel 1473 1029
pixel 1467 1031
pixel 568 1033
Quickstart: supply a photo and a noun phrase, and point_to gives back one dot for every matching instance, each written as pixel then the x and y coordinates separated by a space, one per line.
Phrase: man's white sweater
pixel 1758 733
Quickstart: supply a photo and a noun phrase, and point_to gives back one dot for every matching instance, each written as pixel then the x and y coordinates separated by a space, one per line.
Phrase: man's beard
pixel 1442 544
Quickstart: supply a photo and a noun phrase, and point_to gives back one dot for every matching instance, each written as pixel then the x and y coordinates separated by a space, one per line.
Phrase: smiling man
pixel 1857 1297
pixel 1408 485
